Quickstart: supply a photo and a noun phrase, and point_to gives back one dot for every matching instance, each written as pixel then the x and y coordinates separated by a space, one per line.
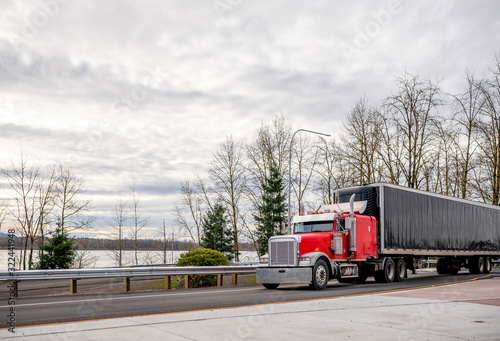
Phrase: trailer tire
pixel 387 274
pixel 320 275
pixel 400 270
pixel 271 286
pixel 487 265
pixel 476 265
pixel 441 266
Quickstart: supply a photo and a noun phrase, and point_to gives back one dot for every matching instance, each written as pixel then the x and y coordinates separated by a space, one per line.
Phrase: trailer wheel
pixel 400 270
pixel 441 266
pixel 270 285
pixel 387 274
pixel 487 265
pixel 320 275
pixel 476 265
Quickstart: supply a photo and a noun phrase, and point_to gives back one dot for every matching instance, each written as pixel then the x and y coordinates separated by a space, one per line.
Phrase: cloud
pixel 147 90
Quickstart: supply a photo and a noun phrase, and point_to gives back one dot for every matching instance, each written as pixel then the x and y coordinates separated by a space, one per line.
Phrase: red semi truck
pixel 382 230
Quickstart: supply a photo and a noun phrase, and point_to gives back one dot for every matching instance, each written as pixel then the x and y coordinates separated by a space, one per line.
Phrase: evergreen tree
pixel 271 215
pixel 59 252
pixel 217 235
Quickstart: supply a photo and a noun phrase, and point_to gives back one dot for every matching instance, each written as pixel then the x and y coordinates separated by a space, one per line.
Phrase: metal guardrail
pixel 74 275
pixel 29 275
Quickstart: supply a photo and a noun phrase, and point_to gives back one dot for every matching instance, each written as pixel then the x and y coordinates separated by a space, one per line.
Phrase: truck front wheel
pixel 320 275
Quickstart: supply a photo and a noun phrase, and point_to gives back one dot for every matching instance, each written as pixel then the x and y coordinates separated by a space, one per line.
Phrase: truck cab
pixel 326 244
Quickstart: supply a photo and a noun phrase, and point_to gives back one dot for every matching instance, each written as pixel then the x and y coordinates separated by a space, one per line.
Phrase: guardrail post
pixel 73 288
pixel 220 280
pixel 234 280
pixel 126 284
pixel 186 281
pixel 168 283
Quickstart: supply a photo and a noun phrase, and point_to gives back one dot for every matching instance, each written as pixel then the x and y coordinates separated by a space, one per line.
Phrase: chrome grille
pixel 283 252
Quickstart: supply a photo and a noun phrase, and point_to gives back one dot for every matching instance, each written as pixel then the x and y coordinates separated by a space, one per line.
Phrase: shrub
pixel 202 257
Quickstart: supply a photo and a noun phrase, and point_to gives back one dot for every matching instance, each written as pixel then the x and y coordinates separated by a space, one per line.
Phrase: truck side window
pixel 340 225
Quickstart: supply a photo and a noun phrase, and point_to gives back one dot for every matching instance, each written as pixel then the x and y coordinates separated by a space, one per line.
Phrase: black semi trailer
pixel 415 224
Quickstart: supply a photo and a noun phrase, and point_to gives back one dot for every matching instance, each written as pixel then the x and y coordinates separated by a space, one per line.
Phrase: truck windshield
pixel 316 226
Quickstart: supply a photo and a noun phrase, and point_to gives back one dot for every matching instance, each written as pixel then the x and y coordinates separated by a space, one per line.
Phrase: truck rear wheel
pixel 487 265
pixel 270 285
pixel 400 270
pixel 387 274
pixel 476 265
pixel 320 275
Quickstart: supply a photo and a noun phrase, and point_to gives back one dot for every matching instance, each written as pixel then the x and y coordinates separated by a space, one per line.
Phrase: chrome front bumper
pixel 284 275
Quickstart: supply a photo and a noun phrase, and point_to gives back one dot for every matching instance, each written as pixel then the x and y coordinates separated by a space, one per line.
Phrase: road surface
pixel 57 309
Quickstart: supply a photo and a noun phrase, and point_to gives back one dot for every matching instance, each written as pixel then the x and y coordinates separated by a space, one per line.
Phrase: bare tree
pixel 305 157
pixel 46 194
pixel 139 221
pixel 118 227
pixel 362 142
pixel 442 168
pixel 164 240
pixel 413 114
pixel 270 147
pixel 3 214
pixel 71 213
pixel 189 213
pixel 228 173
pixel 467 110
pixel 488 178
pixel 333 169
pixel 33 203
pixel 391 149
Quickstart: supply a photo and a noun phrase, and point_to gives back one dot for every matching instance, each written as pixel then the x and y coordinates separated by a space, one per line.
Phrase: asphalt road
pixel 57 309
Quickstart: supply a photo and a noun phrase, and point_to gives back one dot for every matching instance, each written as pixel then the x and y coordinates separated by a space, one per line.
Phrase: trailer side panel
pixel 422 221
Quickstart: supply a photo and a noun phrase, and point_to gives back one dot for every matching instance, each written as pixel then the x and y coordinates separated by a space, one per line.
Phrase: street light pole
pixel 290 169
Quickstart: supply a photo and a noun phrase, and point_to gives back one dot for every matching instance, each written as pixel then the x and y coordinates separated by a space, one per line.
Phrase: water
pixel 88 259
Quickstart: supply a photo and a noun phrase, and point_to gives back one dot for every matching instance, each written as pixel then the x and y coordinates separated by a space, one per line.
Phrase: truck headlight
pixel 264 259
pixel 305 260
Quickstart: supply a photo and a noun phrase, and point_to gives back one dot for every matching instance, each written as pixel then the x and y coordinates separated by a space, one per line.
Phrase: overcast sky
pixel 147 90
